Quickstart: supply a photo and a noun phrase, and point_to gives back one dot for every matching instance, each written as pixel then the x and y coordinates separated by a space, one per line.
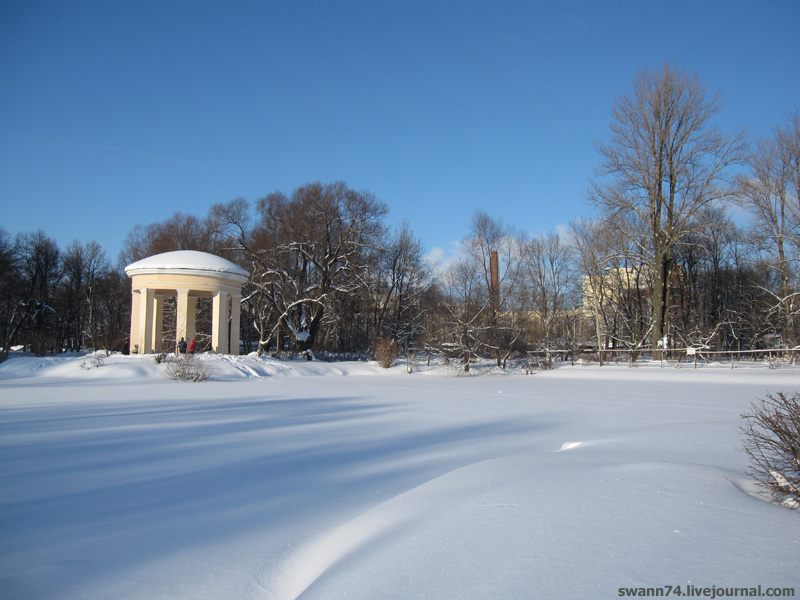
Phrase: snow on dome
pixel 185 260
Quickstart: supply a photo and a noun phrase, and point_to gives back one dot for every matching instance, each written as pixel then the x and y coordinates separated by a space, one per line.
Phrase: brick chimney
pixel 495 285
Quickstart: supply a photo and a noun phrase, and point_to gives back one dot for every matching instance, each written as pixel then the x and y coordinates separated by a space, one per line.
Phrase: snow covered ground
pixel 283 480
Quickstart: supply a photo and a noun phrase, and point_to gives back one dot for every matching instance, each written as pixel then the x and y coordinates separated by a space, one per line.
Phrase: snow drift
pixel 293 479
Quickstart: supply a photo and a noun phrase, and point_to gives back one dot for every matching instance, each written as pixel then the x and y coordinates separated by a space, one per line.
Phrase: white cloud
pixel 439 259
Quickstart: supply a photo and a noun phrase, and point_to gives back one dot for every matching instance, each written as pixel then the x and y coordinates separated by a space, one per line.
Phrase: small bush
pixel 537 364
pixel 385 352
pixel 772 441
pixel 96 360
pixel 186 368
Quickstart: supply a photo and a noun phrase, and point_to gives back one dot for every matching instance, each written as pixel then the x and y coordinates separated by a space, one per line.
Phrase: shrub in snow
pixel 385 352
pixel 772 441
pixel 96 360
pixel 186 368
pixel 537 364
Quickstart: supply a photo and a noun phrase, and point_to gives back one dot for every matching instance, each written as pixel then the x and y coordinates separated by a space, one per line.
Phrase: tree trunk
pixel 661 305
pixel 598 333
pixel 313 329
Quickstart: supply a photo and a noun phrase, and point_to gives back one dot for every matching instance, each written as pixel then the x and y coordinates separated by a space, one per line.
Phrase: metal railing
pixel 545 357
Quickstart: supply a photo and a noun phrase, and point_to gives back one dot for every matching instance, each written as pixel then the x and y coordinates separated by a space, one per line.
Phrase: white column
pixel 191 320
pixel 181 321
pixel 158 321
pixel 146 301
pixel 236 307
pixel 219 323
pixel 133 343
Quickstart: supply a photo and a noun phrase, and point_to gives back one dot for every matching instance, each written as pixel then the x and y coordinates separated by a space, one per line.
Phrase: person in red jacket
pixel 192 346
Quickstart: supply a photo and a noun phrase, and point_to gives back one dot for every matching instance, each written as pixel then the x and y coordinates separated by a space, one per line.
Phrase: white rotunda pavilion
pixel 187 275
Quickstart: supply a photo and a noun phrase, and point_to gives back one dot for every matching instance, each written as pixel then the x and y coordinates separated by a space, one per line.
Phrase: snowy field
pixel 283 480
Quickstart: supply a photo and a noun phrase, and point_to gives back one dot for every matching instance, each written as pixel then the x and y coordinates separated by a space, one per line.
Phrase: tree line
pixel 53 299
pixel 695 242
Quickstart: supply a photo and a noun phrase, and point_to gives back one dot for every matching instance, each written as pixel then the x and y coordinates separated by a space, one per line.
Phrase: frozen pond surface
pixel 282 480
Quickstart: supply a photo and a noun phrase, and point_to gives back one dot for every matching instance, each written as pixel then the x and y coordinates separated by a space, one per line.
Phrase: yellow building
pixel 600 290
pixel 186 275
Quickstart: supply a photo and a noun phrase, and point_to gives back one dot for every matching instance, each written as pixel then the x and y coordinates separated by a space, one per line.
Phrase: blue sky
pixel 114 113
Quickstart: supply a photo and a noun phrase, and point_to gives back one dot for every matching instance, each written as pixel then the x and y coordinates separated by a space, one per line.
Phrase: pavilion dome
pixel 186 261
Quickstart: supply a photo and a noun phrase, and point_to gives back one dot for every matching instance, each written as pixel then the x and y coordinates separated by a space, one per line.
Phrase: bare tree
pixel 616 283
pixel 231 226
pixel 769 191
pixel 547 266
pixel 664 163
pixel 41 274
pixel 488 238
pixel 465 302
pixel 316 245
pixel 708 283
pixel 85 269
pixel 312 257
pixel 110 321
pixel 11 293
pixel 789 140
pixel 401 280
pixel 591 247
pixel 179 232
